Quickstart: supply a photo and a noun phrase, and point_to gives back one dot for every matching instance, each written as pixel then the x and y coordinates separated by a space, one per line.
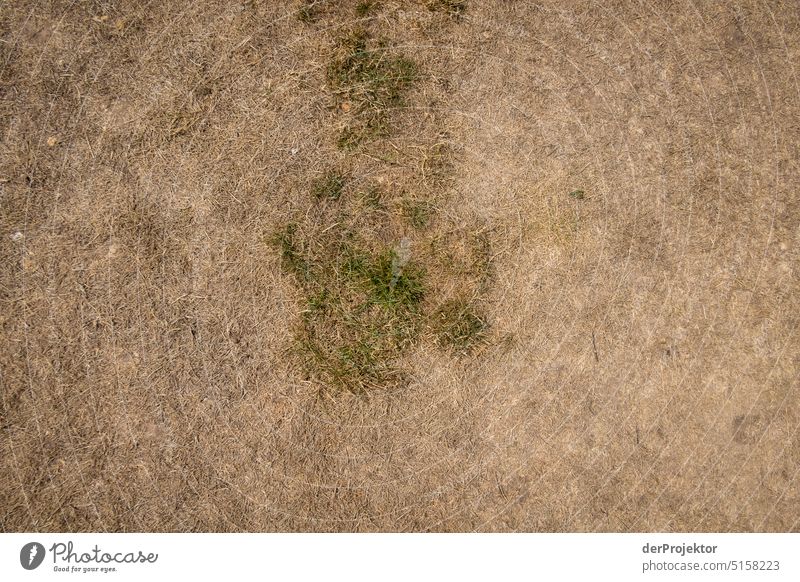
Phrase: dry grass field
pixel 399 265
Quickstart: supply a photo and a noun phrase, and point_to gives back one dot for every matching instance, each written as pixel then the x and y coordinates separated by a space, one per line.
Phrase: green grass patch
pixel 418 212
pixel 355 366
pixel 365 7
pixel 365 304
pixel 362 305
pixel 308 11
pixel 371 74
pixel 393 285
pixel 329 187
pixel 366 300
pixel 373 199
pixel 373 79
pixel 453 8
pixel 458 325
pixel 349 138
pixel 292 252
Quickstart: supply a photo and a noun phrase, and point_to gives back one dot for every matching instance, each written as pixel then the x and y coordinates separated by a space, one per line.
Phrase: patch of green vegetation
pixel 453 8
pixel 418 212
pixel 365 7
pixel 318 302
pixel 365 301
pixel 308 11
pixel 437 165
pixel 373 79
pixel 329 187
pixel 292 251
pixel 393 285
pixel 349 138
pixel 371 74
pixel 384 278
pixel 373 199
pixel 369 126
pixel 355 366
pixel 459 326
pixel 362 305
pixel 578 194
pixel 358 360
pixel 480 264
